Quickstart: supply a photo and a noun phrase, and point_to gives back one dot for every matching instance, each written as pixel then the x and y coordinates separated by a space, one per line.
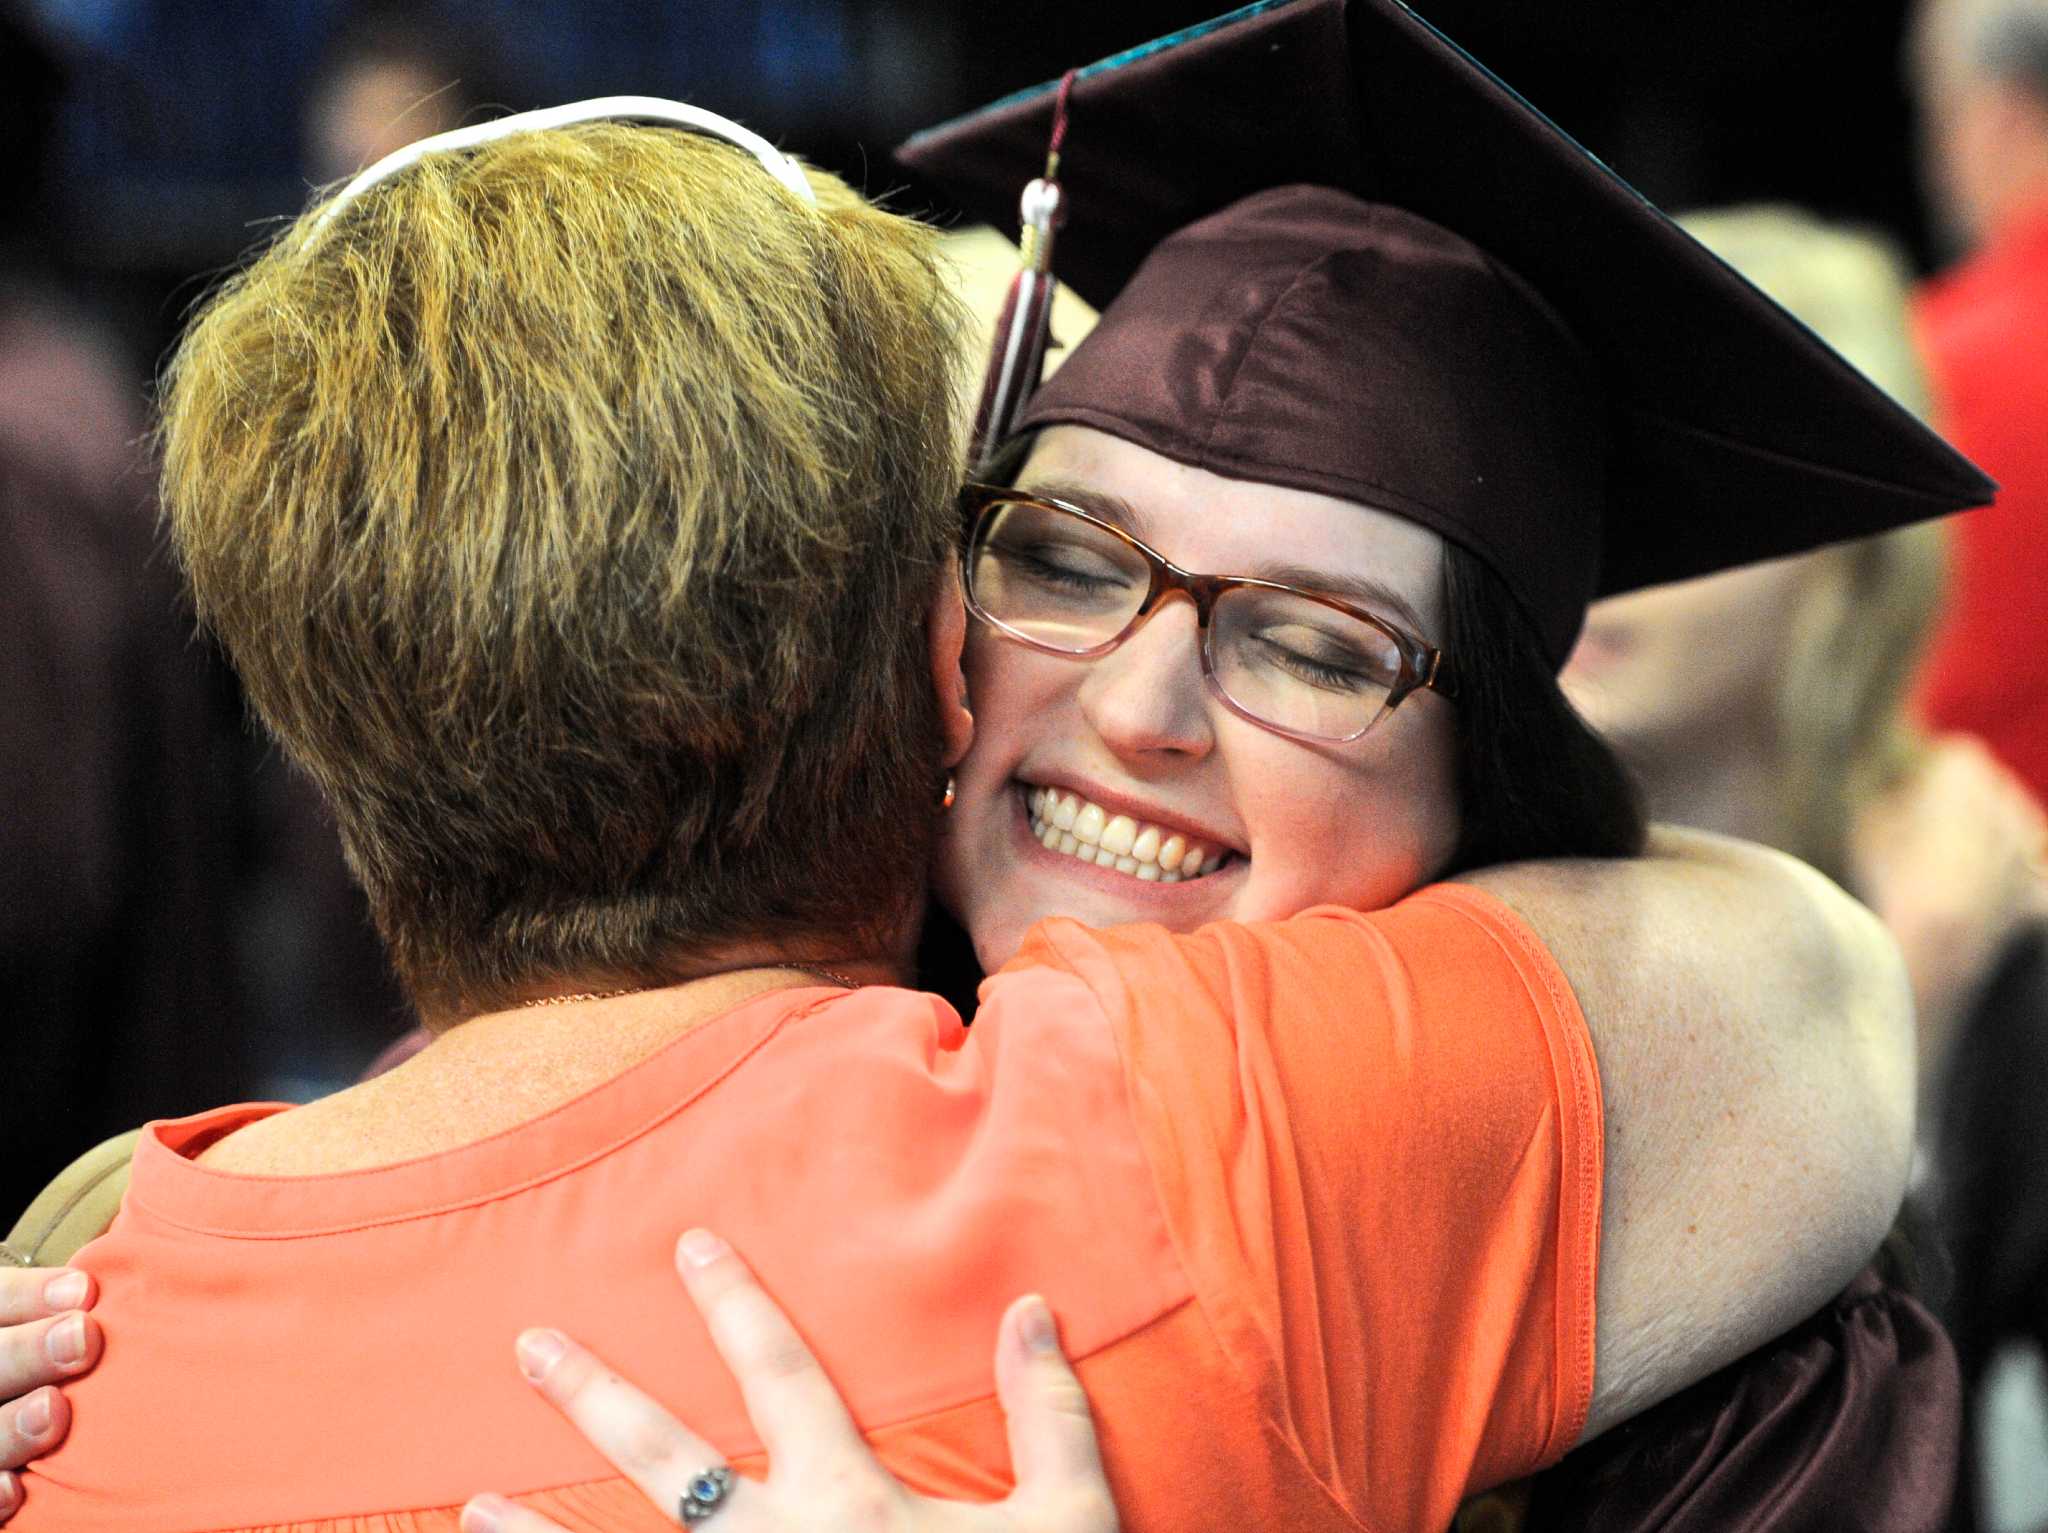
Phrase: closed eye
pixel 1330 661
pixel 1060 565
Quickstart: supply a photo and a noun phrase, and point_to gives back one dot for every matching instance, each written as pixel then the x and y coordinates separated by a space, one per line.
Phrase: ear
pixel 946 629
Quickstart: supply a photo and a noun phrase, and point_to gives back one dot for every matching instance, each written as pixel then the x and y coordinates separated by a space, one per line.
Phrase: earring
pixel 946 798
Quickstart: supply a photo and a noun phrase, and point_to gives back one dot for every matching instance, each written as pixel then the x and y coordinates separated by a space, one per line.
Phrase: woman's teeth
pixel 1065 822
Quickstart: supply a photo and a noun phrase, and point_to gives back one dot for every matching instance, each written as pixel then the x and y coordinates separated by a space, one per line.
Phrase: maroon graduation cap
pixel 1334 252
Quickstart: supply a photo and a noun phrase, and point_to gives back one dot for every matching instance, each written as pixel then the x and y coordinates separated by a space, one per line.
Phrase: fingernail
pixel 539 1351
pixel 67 1291
pixel 65 1341
pixel 1035 1321
pixel 34 1417
pixel 484 1514
pixel 10 1493
pixel 701 1248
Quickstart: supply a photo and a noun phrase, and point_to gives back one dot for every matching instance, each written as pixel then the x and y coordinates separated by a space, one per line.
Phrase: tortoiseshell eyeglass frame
pixel 1424 667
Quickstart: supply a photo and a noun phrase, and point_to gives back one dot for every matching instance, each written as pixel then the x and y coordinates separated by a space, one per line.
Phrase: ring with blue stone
pixel 705 1494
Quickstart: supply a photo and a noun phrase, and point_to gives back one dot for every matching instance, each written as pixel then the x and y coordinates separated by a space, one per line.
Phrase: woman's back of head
pixel 569 505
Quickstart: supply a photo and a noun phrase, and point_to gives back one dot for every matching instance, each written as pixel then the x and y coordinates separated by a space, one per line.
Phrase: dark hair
pixel 1533 778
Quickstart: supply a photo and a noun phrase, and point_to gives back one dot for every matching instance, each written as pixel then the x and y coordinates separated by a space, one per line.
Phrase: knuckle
pixel 1063 1395
pixel 22 1363
pixel 861 1504
pixel 783 1357
pixel 762 1341
pixel 21 1290
pixel 646 1439
pixel 20 1438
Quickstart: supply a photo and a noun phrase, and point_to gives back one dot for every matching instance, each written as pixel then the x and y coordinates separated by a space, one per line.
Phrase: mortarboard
pixel 1335 252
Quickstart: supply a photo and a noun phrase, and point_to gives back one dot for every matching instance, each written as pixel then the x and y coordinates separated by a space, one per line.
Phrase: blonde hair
pixel 570 507
pixel 1854 644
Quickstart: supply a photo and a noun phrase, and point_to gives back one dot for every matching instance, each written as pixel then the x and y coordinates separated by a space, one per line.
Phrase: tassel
pixel 1017 362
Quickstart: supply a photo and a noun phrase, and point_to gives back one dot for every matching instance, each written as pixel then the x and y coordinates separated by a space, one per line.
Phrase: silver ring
pixel 705 1494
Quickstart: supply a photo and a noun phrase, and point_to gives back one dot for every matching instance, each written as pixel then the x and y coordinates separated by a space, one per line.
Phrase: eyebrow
pixel 1360 590
pixel 1113 509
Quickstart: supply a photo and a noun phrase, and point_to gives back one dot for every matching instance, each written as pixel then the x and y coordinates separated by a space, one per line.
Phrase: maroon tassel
pixel 1018 360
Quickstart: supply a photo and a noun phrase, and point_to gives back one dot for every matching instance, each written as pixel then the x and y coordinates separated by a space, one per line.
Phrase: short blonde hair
pixel 570 507
pixel 1854 645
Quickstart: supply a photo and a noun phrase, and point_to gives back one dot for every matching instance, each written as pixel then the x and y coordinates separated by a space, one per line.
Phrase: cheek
pixel 1013 693
pixel 1357 832
pixel 1004 682
pixel 972 872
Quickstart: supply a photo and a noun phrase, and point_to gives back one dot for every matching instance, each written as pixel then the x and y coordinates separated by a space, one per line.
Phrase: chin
pixel 996 943
pixel 1000 931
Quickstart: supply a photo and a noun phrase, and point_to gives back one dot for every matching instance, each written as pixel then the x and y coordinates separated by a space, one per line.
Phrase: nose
pixel 1147 695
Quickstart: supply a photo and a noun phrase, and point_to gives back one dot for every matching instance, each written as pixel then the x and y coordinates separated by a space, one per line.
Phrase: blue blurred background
pixel 179 125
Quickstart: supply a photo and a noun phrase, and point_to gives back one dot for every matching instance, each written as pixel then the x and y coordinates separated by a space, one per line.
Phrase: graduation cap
pixel 1336 253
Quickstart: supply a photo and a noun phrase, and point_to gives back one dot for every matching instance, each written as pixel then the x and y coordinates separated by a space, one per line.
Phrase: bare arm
pixel 1755 1039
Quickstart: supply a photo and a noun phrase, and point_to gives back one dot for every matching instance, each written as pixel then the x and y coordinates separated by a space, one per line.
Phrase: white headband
pixel 651 109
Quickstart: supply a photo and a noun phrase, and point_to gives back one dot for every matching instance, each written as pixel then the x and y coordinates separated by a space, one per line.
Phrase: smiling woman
pixel 1468 753
pixel 1128 735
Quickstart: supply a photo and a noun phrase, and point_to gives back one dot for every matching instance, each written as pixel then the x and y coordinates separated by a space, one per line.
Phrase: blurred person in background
pixel 393 73
pixel 1981 68
pixel 317 984
pixel 158 860
pixel 117 991
pixel 1768 703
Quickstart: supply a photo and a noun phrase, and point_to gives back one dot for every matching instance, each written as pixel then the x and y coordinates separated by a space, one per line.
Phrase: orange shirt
pixel 1317 1204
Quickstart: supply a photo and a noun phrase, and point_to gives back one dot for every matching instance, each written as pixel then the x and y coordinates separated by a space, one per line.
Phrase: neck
pixel 685 978
pixel 496 1070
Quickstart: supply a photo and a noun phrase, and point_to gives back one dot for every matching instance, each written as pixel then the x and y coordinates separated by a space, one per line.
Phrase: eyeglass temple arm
pixel 1442 677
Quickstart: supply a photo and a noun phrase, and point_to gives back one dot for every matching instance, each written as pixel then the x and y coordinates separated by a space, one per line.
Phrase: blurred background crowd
pixel 176 926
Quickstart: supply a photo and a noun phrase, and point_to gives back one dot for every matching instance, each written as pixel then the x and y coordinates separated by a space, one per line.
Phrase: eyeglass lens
pixel 1062 583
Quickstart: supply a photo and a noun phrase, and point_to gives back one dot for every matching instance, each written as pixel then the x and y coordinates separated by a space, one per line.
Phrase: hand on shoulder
pixel 822 1474
pixel 45 1338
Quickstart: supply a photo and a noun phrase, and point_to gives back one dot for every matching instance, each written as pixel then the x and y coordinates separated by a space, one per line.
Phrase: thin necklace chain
pixel 832 976
pixel 580 995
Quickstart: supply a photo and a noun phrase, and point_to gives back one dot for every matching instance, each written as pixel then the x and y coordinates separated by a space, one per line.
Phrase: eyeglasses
pixel 1057 579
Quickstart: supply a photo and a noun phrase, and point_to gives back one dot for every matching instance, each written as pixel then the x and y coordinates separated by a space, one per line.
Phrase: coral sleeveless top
pixel 1317 1204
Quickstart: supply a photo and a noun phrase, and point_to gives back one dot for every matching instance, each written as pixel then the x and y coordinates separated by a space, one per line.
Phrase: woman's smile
pixel 1077 826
